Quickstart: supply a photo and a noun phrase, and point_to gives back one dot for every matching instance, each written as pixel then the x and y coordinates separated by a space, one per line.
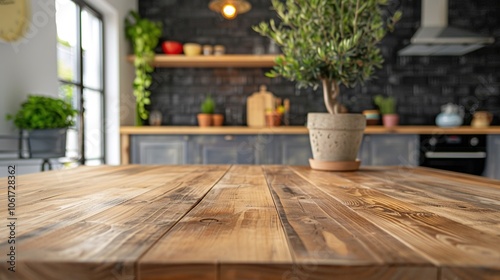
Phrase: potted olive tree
pixel 330 42
pixel 44 121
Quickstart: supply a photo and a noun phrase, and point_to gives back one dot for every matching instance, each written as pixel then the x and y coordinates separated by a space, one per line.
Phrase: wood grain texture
pixel 326 272
pixel 475 206
pixel 323 231
pixel 235 223
pixel 228 60
pixel 253 222
pixel 459 273
pixel 443 241
pixel 176 130
pixel 106 221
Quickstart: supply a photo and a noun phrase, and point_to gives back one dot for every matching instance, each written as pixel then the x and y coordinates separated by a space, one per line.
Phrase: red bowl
pixel 171 47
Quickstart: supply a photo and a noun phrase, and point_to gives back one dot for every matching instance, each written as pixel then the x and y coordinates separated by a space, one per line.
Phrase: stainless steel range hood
pixel 435 37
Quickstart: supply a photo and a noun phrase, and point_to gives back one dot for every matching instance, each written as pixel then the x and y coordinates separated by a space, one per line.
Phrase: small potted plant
pixel 207 110
pixel 274 118
pixel 387 107
pixel 330 42
pixel 44 121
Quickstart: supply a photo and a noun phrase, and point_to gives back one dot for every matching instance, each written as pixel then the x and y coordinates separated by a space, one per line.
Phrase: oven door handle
pixel 455 154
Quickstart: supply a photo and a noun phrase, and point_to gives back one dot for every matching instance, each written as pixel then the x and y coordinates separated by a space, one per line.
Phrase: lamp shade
pixel 230 8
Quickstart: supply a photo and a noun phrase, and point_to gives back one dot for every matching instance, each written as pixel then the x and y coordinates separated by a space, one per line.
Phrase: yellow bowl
pixel 192 49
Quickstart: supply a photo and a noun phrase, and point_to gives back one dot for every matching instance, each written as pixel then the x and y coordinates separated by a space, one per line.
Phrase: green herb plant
pixel 386 105
pixel 329 41
pixel 208 105
pixel 42 112
pixel 144 36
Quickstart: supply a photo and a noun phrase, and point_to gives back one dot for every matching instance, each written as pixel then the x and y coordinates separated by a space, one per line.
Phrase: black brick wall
pixel 420 84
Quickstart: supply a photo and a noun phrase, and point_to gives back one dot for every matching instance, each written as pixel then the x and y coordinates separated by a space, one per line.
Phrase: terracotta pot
pixel 273 119
pixel 390 120
pixel 335 137
pixel 217 119
pixel 204 120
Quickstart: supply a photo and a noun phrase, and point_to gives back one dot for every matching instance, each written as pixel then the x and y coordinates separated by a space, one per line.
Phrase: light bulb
pixel 229 11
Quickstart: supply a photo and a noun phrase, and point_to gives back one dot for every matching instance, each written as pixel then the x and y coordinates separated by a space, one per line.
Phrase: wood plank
pixel 195 130
pixel 328 272
pixel 212 130
pixel 110 230
pixel 425 192
pixel 228 60
pixel 65 270
pixel 441 240
pixel 452 273
pixel 479 191
pixel 323 232
pixel 50 200
pixel 236 223
pixel 465 179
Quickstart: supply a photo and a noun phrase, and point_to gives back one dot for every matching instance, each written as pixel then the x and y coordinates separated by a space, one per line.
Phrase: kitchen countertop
pixel 183 130
pixel 127 131
pixel 252 222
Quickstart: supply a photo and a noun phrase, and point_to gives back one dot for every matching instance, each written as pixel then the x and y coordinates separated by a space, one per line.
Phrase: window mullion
pixel 85 91
pixel 80 81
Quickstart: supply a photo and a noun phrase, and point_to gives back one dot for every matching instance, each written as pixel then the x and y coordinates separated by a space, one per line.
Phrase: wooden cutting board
pixel 257 104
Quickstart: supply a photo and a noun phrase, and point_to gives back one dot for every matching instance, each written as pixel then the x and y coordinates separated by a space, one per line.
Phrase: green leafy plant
pixel 386 105
pixel 329 41
pixel 42 112
pixel 144 36
pixel 208 105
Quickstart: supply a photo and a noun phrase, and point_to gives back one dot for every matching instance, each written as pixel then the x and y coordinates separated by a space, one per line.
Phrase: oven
pixel 460 153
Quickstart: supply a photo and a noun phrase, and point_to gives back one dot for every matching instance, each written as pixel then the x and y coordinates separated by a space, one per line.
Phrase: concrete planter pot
pixel 335 140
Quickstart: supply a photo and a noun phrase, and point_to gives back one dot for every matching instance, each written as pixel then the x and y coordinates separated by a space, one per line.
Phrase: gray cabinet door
pixel 294 149
pixel 160 149
pixel 401 150
pixel 266 151
pixel 225 149
pixel 493 159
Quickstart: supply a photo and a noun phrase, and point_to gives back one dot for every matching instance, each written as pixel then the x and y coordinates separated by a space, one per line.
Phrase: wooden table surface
pixel 252 222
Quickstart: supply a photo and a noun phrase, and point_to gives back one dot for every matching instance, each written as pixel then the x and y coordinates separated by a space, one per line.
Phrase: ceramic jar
pixel 481 119
pixel 451 116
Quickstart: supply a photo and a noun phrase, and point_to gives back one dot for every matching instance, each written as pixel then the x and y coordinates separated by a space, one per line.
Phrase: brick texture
pixel 420 84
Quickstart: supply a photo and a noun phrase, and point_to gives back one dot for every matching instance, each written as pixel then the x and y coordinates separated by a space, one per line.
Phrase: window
pixel 80 72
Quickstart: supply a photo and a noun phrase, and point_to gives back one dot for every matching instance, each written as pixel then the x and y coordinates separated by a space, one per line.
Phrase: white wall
pixel 30 66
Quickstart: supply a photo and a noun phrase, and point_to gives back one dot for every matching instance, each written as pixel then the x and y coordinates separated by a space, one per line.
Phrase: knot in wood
pixel 209 220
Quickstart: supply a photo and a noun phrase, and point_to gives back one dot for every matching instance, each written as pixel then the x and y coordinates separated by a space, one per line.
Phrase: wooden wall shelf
pixel 212 61
pixel 244 130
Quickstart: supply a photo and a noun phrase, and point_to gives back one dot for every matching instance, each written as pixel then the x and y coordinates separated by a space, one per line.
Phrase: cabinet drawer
pixel 159 149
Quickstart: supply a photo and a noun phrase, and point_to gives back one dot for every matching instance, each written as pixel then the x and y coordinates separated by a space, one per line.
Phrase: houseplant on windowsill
pixel 387 107
pixel 331 42
pixel 144 35
pixel 44 121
